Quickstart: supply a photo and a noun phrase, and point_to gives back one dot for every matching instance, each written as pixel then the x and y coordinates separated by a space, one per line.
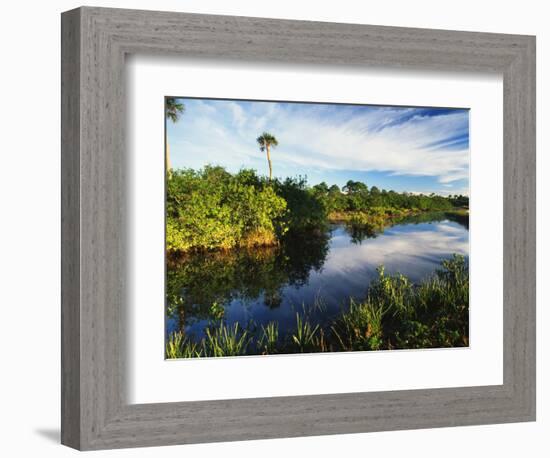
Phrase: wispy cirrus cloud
pixel 324 139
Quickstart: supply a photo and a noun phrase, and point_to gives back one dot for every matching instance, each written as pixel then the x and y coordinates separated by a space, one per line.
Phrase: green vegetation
pixel 244 238
pixel 269 338
pixel 304 338
pixel 395 314
pixel 226 341
pixel 212 209
pixel 355 196
pixel 241 236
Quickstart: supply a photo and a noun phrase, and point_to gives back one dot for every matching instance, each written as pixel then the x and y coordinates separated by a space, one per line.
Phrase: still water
pixel 317 276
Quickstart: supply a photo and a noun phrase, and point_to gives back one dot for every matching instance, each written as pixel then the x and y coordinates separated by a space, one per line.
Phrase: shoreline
pixel 377 218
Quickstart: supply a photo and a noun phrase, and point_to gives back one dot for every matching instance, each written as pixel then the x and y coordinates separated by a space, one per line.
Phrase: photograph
pixel 313 227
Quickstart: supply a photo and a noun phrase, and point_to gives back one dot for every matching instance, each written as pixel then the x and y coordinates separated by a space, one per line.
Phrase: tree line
pixel 357 196
pixel 212 208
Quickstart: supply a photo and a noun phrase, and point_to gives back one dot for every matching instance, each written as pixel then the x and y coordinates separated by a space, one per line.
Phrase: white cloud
pixel 403 253
pixel 355 145
pixel 239 117
pixel 318 137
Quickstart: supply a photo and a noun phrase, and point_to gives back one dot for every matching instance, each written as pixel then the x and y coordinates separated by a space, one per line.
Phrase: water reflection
pixel 271 284
pixel 248 277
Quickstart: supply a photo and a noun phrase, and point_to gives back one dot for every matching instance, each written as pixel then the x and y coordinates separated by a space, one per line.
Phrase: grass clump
pixel 269 339
pixel 180 346
pixel 304 335
pixel 360 328
pixel 226 341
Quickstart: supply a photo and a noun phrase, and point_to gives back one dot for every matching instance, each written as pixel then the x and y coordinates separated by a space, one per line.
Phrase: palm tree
pixel 266 141
pixel 174 109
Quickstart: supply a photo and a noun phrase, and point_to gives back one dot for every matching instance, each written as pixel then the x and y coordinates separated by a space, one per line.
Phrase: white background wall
pixel 29 228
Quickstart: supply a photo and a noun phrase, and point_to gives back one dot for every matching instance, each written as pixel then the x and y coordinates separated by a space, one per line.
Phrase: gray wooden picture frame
pixel 95 41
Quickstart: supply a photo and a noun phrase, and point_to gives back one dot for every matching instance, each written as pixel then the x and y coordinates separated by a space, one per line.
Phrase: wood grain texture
pixel 70 229
pixel 96 414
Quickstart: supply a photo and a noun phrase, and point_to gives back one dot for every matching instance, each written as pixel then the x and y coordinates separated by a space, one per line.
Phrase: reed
pixel 304 335
pixel 269 338
pixel 226 341
pixel 180 346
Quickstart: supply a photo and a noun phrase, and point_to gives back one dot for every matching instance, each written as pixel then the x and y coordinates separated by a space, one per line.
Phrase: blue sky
pixel 405 149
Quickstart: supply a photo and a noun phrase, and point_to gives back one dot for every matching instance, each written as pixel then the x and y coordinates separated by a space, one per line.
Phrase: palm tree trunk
pixel 269 161
pixel 167 161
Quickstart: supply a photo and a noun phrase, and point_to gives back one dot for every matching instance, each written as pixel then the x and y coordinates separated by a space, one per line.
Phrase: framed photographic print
pixel 306 228
pixel 315 260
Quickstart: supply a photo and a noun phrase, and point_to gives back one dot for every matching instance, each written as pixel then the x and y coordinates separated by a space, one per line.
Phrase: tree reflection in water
pixel 196 281
pixel 266 284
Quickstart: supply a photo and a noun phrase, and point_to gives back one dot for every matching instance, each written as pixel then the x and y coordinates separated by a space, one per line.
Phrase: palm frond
pixel 174 108
pixel 265 140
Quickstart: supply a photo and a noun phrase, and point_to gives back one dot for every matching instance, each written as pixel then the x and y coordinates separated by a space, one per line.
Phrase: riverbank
pixel 376 217
pixel 459 215
pixel 213 209
pixel 394 314
pixel 375 220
